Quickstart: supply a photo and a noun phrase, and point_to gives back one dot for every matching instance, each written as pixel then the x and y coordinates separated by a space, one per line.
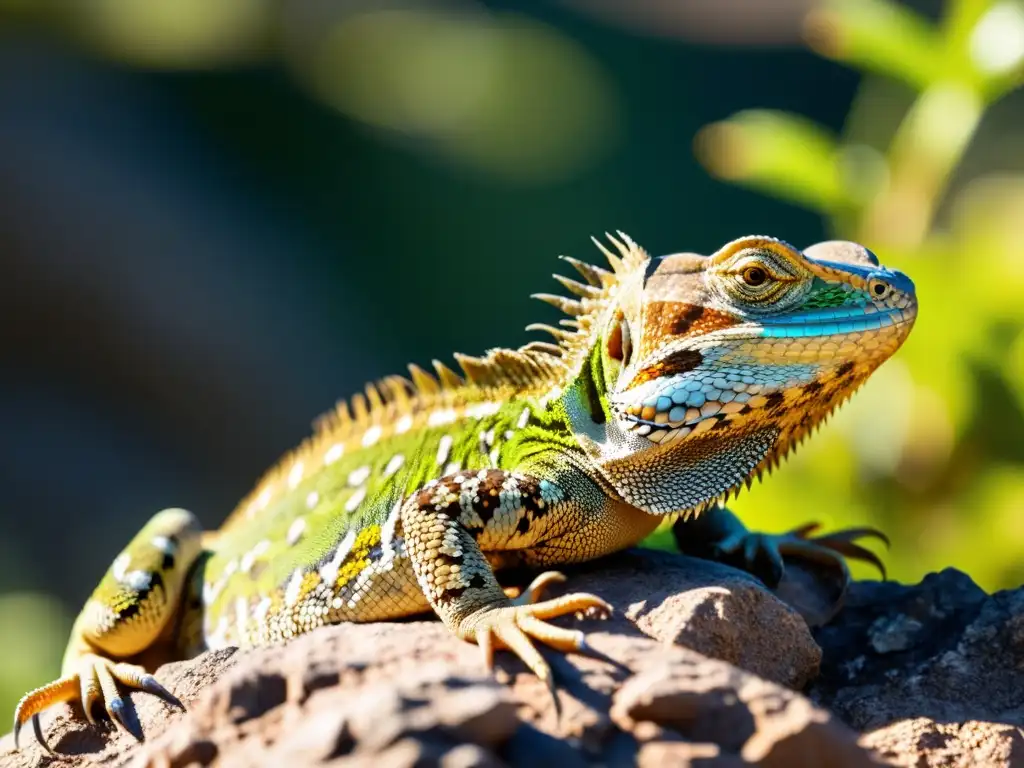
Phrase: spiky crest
pixel 536 367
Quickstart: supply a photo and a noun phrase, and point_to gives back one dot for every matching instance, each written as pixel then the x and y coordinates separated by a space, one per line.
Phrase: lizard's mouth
pixel 819 340
pixel 680 421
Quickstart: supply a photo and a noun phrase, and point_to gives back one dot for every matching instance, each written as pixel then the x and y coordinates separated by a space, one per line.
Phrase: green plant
pixel 932 451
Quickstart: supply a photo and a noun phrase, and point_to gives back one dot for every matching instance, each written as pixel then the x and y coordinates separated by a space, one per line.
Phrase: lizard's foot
pixel 512 626
pixel 94 680
pixel 763 553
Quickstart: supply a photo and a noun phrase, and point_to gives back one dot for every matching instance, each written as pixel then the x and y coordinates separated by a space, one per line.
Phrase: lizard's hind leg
pixel 127 613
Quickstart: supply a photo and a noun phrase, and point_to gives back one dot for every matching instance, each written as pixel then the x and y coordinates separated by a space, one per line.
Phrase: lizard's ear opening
pixel 620 342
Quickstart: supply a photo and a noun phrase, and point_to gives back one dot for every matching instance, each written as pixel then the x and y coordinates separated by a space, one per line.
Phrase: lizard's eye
pixel 754 276
pixel 620 342
pixel 879 289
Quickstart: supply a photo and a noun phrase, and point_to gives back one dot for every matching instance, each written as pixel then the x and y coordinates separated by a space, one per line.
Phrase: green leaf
pixel 877 36
pixel 790 157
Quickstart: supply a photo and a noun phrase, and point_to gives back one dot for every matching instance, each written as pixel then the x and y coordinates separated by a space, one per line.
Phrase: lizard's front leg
pixel 126 614
pixel 449 523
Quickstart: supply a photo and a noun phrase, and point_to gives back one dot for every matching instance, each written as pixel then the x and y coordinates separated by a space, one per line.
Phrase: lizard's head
pixel 715 367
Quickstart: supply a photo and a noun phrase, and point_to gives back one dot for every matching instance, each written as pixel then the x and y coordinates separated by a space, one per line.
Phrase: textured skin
pixel 673 382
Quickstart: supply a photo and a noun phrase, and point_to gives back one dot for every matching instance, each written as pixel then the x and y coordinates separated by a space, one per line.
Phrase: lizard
pixel 672 382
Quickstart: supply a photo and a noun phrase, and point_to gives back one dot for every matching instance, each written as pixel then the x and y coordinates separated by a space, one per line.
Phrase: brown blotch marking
pixel 774 400
pixel 666 319
pixel 844 369
pixel 682 361
pixel 489 493
pixel 530 498
pixel 476 581
pixel 813 387
pixel 450 595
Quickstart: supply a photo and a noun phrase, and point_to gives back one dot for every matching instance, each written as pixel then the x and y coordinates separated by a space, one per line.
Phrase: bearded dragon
pixel 672 382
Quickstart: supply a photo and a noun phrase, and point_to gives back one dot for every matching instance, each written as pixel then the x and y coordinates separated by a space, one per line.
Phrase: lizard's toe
pixel 538 587
pixel 763 553
pixel 516 625
pixel 34 702
pixel 95 680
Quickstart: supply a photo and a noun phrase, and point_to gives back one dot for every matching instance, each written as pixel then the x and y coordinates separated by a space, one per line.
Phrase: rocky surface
pixel 699 666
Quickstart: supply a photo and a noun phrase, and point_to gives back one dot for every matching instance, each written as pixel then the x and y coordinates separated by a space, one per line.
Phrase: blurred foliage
pixel 931 450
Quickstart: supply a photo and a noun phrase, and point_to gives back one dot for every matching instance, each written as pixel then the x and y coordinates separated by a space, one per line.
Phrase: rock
pixel 941 649
pixel 743 714
pixel 715 610
pixel 409 693
pixel 922 742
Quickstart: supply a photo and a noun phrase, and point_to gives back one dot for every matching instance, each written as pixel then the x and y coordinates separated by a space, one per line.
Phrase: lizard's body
pixel 675 381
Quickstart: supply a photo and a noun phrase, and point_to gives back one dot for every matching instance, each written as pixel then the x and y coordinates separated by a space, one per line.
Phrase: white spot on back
pixel 482 410
pixel 394 465
pixel 329 570
pixel 312 499
pixel 261 610
pixel 404 425
pixel 164 544
pixel 524 418
pixel 229 569
pixel 371 436
pixel 552 394
pixel 263 499
pixel 387 531
pixel 444 445
pixel 452 467
pixel 355 499
pixel 295 531
pixel 138 580
pixel 248 561
pixel 294 588
pixel 295 475
pixel 359 475
pixel 120 566
pixel 334 453
pixel 241 614
pixel 439 418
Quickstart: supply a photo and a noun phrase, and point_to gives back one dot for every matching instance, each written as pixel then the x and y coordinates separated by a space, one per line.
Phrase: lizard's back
pixel 319 539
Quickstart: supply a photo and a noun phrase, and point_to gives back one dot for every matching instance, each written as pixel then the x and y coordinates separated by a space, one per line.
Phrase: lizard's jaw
pixel 811 361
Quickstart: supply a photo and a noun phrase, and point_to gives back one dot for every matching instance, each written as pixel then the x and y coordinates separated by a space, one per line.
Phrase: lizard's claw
pixel 762 552
pixel 516 625
pixel 94 681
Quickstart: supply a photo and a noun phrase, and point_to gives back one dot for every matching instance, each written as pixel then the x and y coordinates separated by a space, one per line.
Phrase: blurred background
pixel 219 217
